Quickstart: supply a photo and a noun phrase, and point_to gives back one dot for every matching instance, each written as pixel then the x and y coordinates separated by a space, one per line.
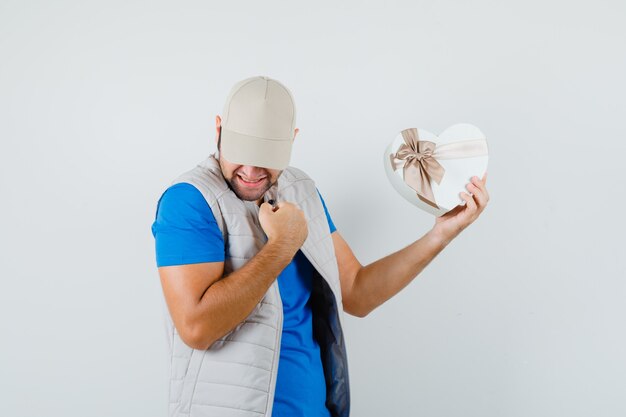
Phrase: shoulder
pixel 293 177
pixel 182 193
pixel 294 174
pixel 295 185
pixel 184 201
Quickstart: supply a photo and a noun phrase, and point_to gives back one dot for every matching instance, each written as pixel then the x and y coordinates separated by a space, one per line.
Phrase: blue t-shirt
pixel 186 232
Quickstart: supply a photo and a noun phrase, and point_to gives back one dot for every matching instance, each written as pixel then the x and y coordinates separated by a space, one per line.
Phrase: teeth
pixel 251 181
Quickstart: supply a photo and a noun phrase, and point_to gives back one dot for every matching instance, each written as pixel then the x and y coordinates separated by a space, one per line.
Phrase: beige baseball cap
pixel 258 123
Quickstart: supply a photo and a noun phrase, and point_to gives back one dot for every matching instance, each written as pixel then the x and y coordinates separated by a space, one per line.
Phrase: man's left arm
pixel 363 288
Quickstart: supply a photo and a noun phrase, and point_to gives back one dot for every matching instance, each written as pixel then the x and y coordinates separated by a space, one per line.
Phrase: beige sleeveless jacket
pixel 236 375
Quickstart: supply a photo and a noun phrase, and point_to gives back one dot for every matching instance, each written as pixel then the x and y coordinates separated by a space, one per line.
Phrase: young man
pixel 256 277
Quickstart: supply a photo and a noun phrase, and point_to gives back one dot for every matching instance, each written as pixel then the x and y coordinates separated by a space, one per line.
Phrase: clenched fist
pixel 287 225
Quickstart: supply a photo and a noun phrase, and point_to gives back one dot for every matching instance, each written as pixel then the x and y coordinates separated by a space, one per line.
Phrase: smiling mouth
pixel 251 183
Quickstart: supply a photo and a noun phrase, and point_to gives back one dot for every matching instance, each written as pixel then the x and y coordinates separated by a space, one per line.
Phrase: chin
pixel 248 195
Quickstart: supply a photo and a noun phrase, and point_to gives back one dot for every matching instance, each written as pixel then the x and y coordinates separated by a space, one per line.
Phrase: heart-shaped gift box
pixel 431 171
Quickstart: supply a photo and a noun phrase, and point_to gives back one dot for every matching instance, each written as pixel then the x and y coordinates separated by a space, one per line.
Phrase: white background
pixel 102 104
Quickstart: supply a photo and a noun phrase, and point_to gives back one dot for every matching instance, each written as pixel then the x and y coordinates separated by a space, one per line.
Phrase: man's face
pixel 248 182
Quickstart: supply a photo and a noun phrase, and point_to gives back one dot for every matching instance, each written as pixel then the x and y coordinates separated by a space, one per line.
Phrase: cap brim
pixel 249 150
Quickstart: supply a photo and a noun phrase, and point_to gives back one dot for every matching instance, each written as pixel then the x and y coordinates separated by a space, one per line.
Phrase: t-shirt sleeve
pixel 185 229
pixel 330 221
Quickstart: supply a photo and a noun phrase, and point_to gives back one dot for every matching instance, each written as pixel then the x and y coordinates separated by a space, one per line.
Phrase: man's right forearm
pixel 228 301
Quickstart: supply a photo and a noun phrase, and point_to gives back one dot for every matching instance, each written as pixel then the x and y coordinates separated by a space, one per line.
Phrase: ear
pixel 218 127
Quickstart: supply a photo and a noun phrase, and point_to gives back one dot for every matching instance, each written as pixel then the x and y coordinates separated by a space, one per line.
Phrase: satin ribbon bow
pixel 419 165
pixel 419 160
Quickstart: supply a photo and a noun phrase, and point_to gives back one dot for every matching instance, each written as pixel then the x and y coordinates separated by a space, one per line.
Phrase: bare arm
pixel 364 288
pixel 204 307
